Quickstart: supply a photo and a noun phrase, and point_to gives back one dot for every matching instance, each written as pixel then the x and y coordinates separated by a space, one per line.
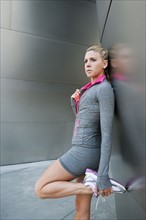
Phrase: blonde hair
pixel 104 55
pixel 102 51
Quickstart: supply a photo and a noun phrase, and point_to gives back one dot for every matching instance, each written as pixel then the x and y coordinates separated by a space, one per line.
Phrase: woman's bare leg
pixel 83 203
pixel 54 183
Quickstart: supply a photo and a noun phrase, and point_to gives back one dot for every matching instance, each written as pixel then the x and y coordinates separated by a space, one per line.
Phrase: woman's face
pixel 94 65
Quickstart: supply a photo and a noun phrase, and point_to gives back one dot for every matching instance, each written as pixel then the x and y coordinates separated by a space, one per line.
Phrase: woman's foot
pixel 92 185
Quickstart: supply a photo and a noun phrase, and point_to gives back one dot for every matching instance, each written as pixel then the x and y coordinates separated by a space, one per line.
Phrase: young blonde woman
pixel 93 106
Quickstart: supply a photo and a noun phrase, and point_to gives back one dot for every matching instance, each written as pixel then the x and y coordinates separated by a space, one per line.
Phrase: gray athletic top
pixel 93 125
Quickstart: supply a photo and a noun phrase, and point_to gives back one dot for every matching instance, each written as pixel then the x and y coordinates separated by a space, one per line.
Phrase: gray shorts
pixel 78 159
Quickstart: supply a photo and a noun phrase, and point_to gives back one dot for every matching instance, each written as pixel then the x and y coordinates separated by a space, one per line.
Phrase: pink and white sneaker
pixel 92 185
pixel 91 178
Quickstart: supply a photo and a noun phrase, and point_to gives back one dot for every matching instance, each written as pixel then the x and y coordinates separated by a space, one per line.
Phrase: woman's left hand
pixel 106 192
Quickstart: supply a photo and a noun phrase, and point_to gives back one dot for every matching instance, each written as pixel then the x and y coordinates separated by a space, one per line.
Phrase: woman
pixel 93 105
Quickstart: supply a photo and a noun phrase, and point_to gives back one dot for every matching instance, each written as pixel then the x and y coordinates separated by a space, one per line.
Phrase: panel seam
pixel 105 21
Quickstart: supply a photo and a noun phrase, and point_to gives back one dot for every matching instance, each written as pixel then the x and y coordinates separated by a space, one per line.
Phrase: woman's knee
pixel 38 190
pixel 44 180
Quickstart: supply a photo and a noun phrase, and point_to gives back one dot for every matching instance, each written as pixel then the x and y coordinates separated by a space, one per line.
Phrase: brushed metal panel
pixel 34 58
pixel 130 93
pixel 126 23
pixel 102 9
pixel 42 64
pixel 5 14
pixel 27 101
pixel 25 142
pixel 74 21
pixel 130 205
pixel 134 88
pixel 126 26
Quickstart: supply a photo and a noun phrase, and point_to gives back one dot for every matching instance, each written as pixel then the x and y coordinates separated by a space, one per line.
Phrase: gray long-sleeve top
pixel 93 125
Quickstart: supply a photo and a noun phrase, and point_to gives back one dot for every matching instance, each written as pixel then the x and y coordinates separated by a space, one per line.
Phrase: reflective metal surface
pixel 64 20
pixel 5 14
pixel 124 36
pixel 30 57
pixel 102 13
pixel 42 51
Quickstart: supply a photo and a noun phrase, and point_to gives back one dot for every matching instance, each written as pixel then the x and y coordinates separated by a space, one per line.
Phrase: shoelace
pixel 103 198
pixel 97 202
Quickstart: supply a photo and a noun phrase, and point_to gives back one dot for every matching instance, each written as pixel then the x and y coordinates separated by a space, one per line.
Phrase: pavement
pixel 19 202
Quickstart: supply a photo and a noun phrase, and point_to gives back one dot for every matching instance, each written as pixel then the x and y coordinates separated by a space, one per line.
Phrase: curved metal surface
pixel 124 35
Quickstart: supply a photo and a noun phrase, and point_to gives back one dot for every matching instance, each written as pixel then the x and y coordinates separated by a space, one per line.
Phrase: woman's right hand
pixel 76 95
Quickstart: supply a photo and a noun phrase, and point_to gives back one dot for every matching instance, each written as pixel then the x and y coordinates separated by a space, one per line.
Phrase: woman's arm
pixel 106 104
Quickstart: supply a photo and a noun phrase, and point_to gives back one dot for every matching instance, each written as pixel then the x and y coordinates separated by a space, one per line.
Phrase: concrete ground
pixel 18 201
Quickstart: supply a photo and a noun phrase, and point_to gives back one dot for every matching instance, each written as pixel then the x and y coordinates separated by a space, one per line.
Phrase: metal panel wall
pixel 43 45
pixel 124 34
pixel 64 20
pixel 102 13
pixel 5 14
